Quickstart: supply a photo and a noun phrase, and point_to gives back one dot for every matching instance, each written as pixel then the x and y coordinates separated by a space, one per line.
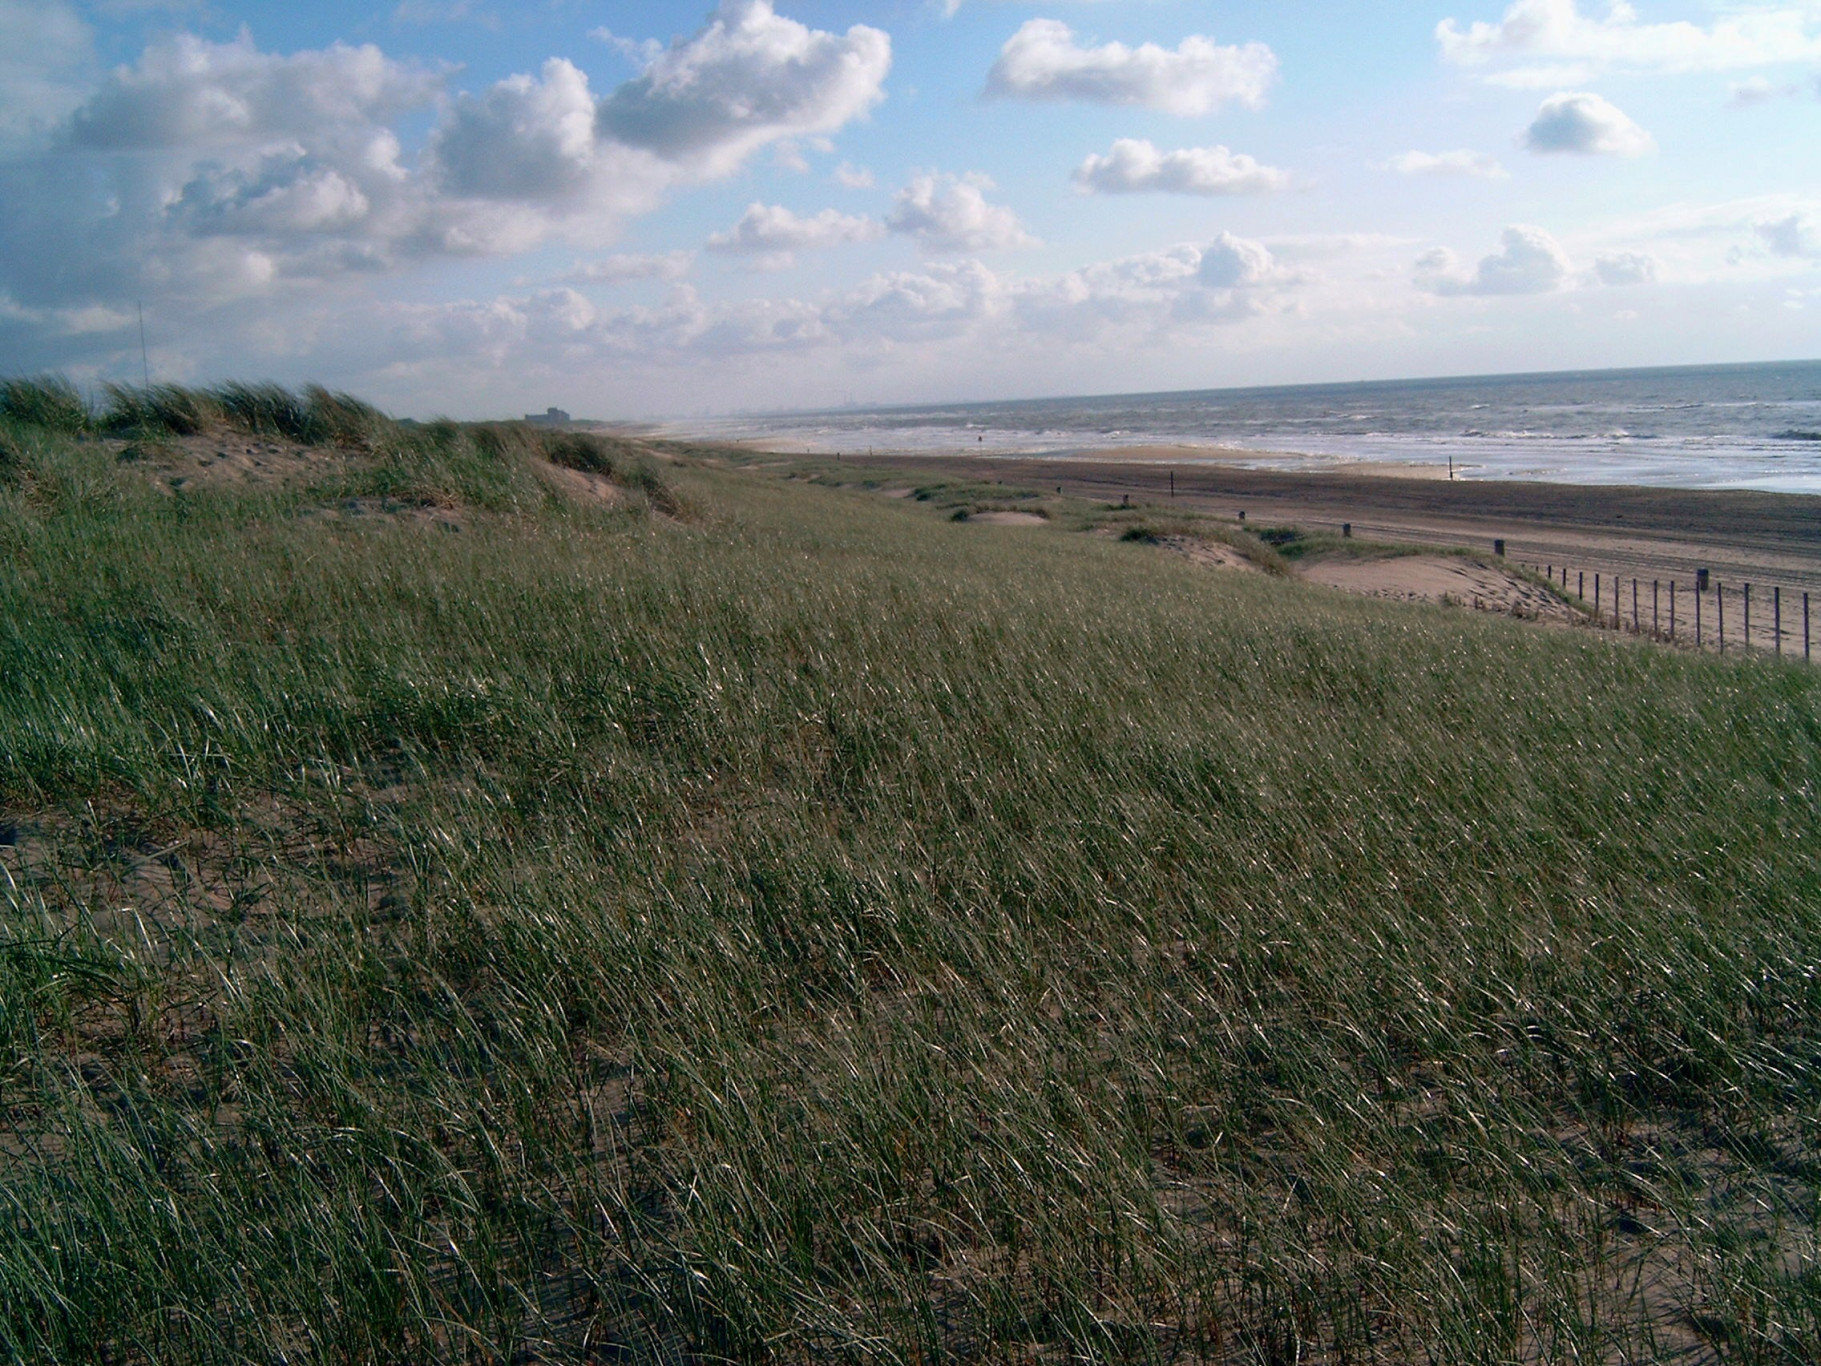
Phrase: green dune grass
pixel 819 930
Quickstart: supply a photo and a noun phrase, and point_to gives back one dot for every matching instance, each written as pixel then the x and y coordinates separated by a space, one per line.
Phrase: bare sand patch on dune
pixel 228 457
pixel 1009 519
pixel 1210 553
pixel 1441 579
pixel 582 485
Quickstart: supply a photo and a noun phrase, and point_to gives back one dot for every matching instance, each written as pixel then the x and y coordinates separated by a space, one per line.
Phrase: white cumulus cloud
pixel 1584 124
pixel 45 55
pixel 527 139
pixel 775 234
pixel 749 78
pixel 1043 61
pixel 1793 236
pixel 1625 268
pixel 1560 34
pixel 1459 164
pixel 1231 262
pixel 949 214
pixel 186 93
pixel 1134 165
pixel 1530 261
pixel 207 171
pixel 623 266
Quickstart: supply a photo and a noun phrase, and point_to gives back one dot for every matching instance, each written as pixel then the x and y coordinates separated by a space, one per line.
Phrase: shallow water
pixel 1736 426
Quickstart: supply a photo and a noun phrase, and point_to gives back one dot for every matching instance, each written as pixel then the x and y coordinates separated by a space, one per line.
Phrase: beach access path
pixel 1649 533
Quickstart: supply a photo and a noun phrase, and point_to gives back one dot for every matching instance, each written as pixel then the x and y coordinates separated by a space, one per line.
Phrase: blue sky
pixel 471 207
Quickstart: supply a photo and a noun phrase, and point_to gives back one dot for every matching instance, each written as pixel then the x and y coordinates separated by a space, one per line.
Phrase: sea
pixel 1726 426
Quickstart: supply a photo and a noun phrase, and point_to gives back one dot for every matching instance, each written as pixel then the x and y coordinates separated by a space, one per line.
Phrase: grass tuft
pixel 341 419
pixel 267 409
pixel 156 410
pixel 47 401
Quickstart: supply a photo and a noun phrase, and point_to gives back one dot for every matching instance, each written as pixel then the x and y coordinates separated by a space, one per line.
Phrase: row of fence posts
pixel 1664 627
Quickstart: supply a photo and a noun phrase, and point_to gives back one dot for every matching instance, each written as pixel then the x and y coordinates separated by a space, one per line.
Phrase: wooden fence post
pixel 1672 609
pixel 1805 654
pixel 1776 610
pixel 1748 616
pixel 1720 607
pixel 1656 621
pixel 1697 619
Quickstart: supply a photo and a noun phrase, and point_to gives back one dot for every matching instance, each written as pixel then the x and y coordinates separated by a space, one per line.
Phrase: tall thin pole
pixel 145 357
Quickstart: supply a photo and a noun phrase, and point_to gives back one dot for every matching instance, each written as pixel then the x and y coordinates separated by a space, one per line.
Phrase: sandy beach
pixel 1648 533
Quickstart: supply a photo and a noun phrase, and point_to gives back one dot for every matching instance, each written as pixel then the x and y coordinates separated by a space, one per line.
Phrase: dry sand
pixel 1009 519
pixel 1210 553
pixel 582 485
pixel 1646 533
pixel 1443 579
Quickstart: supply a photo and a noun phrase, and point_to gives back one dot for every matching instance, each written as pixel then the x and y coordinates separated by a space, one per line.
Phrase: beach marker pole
pixel 1805 654
pixel 1656 625
pixel 1599 609
pixel 1748 616
pixel 1697 621
pixel 1720 606
pixel 1776 607
pixel 1580 584
pixel 1672 609
pixel 1634 607
pixel 1172 486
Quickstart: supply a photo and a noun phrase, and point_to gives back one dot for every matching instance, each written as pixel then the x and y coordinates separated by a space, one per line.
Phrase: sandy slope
pixel 1442 578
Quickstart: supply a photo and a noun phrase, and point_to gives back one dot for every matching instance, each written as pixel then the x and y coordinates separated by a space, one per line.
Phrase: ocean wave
pixel 1797 434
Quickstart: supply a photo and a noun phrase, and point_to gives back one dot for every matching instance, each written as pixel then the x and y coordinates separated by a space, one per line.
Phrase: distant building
pixel 550 417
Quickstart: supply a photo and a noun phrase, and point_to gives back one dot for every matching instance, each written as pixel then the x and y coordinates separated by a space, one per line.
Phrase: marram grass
pixel 823 931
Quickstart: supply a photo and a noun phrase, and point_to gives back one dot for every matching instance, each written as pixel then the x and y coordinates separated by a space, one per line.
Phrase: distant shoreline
pixel 1746 427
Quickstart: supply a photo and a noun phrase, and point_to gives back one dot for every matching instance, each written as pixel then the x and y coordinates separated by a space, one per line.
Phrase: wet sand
pixel 1647 533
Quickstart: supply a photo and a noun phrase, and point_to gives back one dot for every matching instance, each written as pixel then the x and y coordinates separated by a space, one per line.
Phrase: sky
pixel 633 209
